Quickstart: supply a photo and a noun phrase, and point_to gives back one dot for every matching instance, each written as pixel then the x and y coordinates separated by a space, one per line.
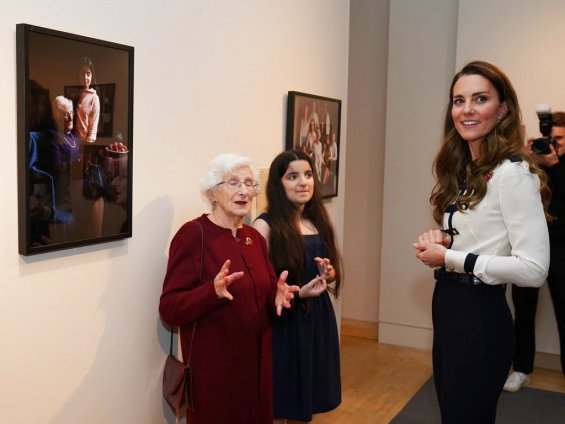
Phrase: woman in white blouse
pixel 489 201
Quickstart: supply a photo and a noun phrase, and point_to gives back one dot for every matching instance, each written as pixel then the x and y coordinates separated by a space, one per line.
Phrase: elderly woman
pixel 222 292
pixel 68 156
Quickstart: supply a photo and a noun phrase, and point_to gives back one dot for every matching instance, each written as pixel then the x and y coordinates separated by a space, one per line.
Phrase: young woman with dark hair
pixel 87 109
pixel 301 239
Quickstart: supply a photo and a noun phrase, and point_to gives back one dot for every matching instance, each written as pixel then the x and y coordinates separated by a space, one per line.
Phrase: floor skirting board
pixel 361 329
pixel 420 337
pixel 405 335
pixel 550 361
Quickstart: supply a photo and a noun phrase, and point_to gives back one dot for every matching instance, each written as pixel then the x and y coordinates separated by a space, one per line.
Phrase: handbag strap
pixel 200 278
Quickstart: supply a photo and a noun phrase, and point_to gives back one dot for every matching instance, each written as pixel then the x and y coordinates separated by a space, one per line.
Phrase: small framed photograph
pixel 313 125
pixel 75 141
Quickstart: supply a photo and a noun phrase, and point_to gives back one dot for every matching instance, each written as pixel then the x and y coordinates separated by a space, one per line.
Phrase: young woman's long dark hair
pixel 286 246
pixel 87 63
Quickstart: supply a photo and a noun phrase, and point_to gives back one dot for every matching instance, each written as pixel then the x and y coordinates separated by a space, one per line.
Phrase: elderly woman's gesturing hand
pixel 284 293
pixel 224 279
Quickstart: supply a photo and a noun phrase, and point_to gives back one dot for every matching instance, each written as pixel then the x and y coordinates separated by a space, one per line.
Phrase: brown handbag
pixel 177 382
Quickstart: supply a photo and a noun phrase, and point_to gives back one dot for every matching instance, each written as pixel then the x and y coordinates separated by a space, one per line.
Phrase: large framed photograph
pixel 313 125
pixel 75 141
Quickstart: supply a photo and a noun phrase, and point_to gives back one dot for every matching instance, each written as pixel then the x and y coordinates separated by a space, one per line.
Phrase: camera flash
pixel 543 109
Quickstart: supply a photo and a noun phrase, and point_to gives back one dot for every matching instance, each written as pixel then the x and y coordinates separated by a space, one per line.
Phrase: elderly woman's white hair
pixel 62 103
pixel 222 165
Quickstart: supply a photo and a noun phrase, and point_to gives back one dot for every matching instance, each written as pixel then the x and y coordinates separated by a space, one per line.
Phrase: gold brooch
pixel 463 205
pixel 248 241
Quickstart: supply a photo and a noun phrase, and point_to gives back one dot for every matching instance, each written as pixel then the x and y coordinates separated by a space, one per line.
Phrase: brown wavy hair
pixel 286 246
pixel 453 163
pixel 558 119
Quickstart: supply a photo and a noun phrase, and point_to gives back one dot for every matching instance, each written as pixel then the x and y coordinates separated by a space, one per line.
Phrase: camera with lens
pixel 541 145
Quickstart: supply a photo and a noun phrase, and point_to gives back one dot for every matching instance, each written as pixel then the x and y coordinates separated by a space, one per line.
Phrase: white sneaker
pixel 516 381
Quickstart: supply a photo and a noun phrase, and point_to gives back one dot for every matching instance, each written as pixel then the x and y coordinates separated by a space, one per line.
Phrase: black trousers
pixel 556 283
pixel 473 349
pixel 525 301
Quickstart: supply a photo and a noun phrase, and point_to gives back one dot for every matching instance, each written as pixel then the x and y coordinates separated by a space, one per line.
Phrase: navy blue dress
pixel 306 369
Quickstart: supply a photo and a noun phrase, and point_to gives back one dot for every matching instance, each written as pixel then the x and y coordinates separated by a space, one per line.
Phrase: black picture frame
pixel 74 140
pixel 313 119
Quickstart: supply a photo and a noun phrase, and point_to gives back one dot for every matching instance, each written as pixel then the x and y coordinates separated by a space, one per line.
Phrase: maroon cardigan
pixel 231 356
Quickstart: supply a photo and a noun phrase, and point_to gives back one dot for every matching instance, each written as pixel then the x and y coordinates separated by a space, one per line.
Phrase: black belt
pixel 463 279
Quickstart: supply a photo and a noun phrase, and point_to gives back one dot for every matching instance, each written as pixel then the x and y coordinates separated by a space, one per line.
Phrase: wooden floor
pixel 379 379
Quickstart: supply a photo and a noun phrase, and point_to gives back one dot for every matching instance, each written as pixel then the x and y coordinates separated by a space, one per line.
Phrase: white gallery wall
pixel 366 118
pixel 421 56
pixel 81 336
pixel 428 43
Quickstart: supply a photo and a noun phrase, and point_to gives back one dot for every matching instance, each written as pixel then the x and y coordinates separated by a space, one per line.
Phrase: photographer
pixel 524 298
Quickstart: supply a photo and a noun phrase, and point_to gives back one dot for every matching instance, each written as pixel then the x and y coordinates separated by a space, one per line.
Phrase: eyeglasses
pixel 236 185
